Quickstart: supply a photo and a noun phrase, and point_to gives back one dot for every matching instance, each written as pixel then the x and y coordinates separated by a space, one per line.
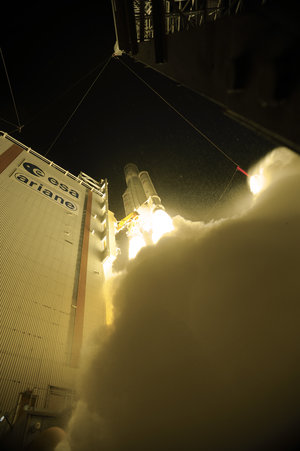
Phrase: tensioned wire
pixel 78 105
pixel 181 115
pixel 237 167
pixel 69 89
pixel 166 102
pixel 11 91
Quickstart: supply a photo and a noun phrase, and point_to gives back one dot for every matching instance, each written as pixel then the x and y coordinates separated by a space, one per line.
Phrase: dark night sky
pixel 54 52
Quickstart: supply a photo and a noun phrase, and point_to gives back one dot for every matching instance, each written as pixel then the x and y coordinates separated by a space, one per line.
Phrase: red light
pixel 242 170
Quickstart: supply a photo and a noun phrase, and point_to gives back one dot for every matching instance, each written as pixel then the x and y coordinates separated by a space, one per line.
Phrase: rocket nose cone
pixel 131 169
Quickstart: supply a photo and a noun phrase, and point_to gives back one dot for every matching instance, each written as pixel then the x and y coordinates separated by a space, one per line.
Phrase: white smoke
pixel 204 350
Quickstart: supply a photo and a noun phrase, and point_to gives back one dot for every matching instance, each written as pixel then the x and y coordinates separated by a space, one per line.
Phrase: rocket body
pixel 140 191
pixel 146 220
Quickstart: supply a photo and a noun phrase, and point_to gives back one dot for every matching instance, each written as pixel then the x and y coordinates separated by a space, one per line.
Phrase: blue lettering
pixel 58 197
pixel 47 193
pixel 22 178
pixel 53 181
pixel 70 205
pixel 63 187
pixel 74 193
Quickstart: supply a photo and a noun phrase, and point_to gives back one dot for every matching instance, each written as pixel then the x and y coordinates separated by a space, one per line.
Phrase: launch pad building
pixel 56 234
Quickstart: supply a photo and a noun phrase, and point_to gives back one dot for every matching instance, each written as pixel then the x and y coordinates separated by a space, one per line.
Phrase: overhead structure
pixel 224 50
pixel 146 20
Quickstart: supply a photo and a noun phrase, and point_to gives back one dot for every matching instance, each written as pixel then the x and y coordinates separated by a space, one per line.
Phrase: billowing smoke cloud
pixel 204 350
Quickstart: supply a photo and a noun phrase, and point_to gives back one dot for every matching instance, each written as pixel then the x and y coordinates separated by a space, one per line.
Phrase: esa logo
pixel 33 169
pixel 38 172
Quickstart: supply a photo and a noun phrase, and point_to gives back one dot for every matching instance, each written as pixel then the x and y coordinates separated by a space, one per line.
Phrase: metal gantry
pixel 138 21
pixel 182 15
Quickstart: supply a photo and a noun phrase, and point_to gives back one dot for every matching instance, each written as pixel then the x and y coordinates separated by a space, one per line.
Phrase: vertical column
pixel 80 304
pixel 158 15
pixel 8 156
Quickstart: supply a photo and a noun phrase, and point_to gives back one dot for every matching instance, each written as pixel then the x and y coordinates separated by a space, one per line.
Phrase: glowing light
pixel 107 288
pixel 107 266
pixel 145 219
pixel 136 242
pixel 257 183
pixel 161 224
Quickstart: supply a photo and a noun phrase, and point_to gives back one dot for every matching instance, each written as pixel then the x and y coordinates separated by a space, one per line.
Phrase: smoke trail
pixel 204 350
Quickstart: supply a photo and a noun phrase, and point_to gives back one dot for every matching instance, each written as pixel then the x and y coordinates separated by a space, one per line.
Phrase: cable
pixel 181 115
pixel 11 91
pixel 78 105
pixel 63 94
pixel 222 194
pixel 8 122
pixel 228 185
pixel 237 167
pixel 17 129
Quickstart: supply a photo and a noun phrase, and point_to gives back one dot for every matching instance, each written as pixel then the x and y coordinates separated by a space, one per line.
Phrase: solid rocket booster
pixel 140 189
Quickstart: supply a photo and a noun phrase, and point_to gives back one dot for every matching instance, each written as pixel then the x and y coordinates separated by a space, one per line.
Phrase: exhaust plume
pixel 203 353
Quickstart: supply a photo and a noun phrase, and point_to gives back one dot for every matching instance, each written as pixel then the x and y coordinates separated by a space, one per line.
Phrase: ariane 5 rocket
pixel 140 191
pixel 146 220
